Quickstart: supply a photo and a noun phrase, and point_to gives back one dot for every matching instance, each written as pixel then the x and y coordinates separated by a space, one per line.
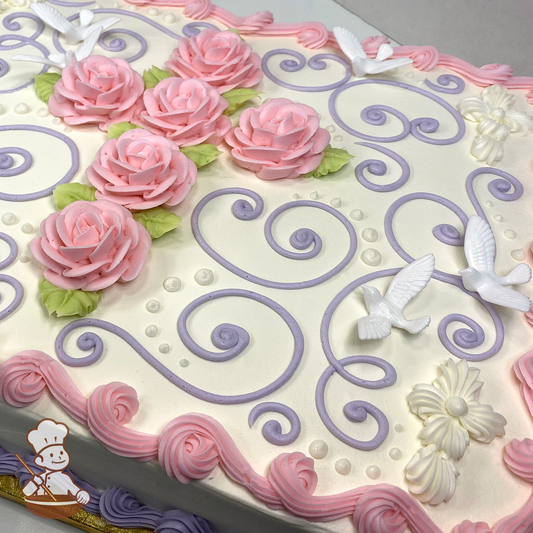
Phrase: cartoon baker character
pixel 53 485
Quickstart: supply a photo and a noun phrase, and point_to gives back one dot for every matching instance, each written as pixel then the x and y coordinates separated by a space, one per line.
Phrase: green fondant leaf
pixel 44 85
pixel 153 76
pixel 71 302
pixel 201 154
pixel 114 131
pixel 157 221
pixel 72 192
pixel 237 98
pixel 333 160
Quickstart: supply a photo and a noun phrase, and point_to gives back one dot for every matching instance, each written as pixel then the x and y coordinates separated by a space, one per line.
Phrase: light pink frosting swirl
pixel 518 456
pixel 523 369
pixel 91 245
pixel 97 90
pixel 280 139
pixel 188 112
pixel 471 527
pixel 24 377
pixel 109 408
pixel 140 170
pixel 221 59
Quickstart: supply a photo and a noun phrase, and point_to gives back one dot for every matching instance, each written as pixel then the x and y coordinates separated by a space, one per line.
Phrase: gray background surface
pixel 479 31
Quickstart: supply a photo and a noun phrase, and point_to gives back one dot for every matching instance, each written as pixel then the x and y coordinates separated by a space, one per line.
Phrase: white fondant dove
pixel 361 63
pixel 73 33
pixel 387 311
pixel 62 60
pixel 480 250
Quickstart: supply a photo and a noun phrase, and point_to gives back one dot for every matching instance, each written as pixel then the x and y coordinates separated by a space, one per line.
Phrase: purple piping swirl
pixel 448 234
pixel 7 162
pixel 89 341
pixel 194 28
pixel 22 41
pixel 357 410
pixel 376 116
pixel 9 464
pixel 17 286
pixel 10 25
pixel 64 3
pixel 177 521
pixel 317 62
pixel 4 67
pixel 65 179
pixel 444 80
pixel 122 509
pixel 13 250
pixel 300 239
pixel 272 429
pixel 117 45
pixel 379 168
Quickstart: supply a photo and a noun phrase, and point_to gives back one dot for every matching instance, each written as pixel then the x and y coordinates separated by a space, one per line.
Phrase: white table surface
pixel 478 31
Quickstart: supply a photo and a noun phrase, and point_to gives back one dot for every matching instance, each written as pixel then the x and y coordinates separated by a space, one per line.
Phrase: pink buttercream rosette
pixel 188 112
pixel 280 139
pixel 140 170
pixel 220 58
pixel 91 245
pixel 97 90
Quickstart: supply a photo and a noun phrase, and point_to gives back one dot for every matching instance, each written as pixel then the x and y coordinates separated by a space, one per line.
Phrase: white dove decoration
pixel 387 311
pixel 62 60
pixel 73 33
pixel 361 63
pixel 480 251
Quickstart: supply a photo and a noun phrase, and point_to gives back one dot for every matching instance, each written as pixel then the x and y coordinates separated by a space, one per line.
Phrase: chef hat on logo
pixel 48 433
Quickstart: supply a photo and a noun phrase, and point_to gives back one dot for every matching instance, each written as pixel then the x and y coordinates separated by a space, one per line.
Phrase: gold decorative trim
pixel 10 489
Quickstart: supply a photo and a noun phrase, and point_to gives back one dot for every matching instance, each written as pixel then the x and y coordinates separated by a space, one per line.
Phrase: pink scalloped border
pixel 315 35
pixel 193 445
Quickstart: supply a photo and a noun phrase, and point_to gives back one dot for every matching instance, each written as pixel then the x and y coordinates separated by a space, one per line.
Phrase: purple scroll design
pixel 444 81
pixel 301 239
pixel 15 284
pixel 355 411
pixel 317 62
pixel 194 28
pixel 11 24
pixel 7 163
pixel 22 168
pixel 91 342
pixel 118 44
pixel 65 3
pixel 272 429
pixel 376 115
pixel 464 338
pixel 17 41
pixel 379 168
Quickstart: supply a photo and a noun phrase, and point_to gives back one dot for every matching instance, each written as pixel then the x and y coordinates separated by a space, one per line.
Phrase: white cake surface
pixel 486 490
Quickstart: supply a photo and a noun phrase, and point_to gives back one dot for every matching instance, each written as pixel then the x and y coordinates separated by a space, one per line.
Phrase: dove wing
pixel 480 247
pixel 52 17
pixel 86 17
pixel 106 23
pixel 376 67
pixel 410 281
pixel 496 294
pixel 34 59
pixel 349 43
pixel 87 46
pixel 373 328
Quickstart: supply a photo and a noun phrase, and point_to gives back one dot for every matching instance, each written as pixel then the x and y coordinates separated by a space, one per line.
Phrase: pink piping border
pixel 192 445
pixel 315 35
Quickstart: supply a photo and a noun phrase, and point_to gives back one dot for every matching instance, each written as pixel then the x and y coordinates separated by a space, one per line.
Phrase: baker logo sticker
pixel 51 492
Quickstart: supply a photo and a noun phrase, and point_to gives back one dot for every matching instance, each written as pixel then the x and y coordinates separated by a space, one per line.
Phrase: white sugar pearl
pixel 9 219
pixel 398 428
pixel 373 471
pixel 314 196
pixel 22 109
pixel 43 112
pixel 169 18
pixel 370 235
pixel 498 218
pixel 318 449
pixel 164 348
pixel 336 202
pixel 357 214
pixel 331 129
pixel 518 254
pixel 371 257
pixel 338 138
pixel 204 276
pixel 153 306
pixel 172 284
pixel 27 228
pixel 24 258
pixel 295 196
pixel 510 234
pixel 343 467
pixel 153 12
pixel 151 331
pixel 184 363
pixel 395 453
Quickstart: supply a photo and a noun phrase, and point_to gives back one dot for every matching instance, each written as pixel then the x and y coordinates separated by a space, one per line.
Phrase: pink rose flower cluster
pixel 280 139
pixel 140 170
pixel 97 90
pixel 220 58
pixel 91 245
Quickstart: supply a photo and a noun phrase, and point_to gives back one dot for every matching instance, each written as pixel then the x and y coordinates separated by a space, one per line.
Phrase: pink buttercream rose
pixel 280 139
pixel 188 112
pixel 98 90
pixel 221 58
pixel 140 170
pixel 91 245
